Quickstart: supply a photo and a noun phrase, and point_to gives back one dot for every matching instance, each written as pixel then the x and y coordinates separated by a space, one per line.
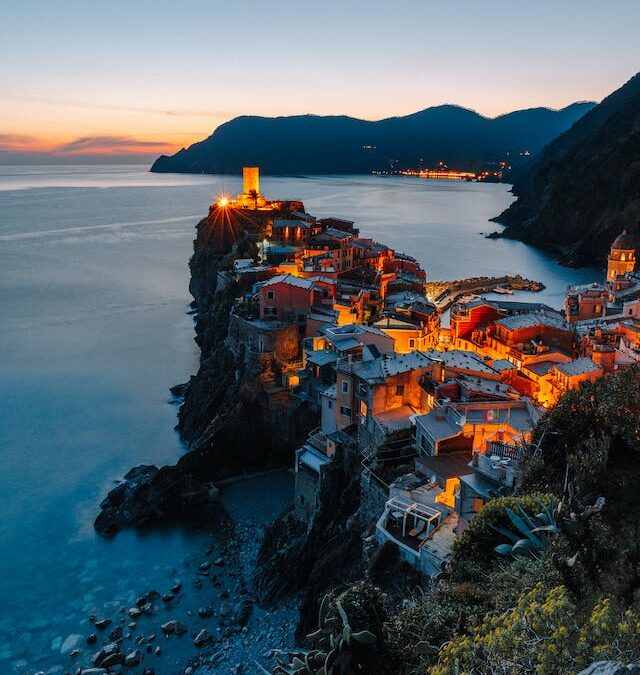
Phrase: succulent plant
pixel 531 535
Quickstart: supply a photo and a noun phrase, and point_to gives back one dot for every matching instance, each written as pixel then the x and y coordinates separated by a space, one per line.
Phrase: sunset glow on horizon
pixel 145 78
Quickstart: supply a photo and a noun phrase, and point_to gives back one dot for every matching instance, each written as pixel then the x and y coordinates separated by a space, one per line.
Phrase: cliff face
pixel 584 188
pixel 338 144
pixel 326 555
pixel 230 420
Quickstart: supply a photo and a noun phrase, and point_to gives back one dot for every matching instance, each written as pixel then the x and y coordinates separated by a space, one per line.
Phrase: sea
pixel 94 330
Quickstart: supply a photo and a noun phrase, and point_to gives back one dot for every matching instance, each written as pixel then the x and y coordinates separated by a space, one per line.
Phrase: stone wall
pixel 260 337
pixel 373 497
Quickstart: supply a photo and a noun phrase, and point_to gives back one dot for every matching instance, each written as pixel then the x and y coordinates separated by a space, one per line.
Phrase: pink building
pixel 286 298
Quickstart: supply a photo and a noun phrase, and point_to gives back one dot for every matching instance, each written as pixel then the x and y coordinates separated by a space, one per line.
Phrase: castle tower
pixel 251 179
pixel 622 257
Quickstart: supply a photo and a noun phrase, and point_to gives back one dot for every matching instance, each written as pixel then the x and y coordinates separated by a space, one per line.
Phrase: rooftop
pixel 290 280
pixel 578 367
pixel 502 364
pixel 533 319
pixel 382 368
pixel 396 418
pixel 438 425
pixel 459 358
pixel 321 357
pixel 445 465
pixel 541 367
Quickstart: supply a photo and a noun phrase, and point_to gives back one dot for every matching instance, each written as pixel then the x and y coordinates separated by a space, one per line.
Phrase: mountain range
pixel 312 144
pixel 584 187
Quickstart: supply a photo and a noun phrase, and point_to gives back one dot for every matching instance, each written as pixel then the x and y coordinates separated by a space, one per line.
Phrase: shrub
pixel 543 633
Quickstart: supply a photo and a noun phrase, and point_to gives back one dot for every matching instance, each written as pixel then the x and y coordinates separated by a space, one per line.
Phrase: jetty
pixel 444 293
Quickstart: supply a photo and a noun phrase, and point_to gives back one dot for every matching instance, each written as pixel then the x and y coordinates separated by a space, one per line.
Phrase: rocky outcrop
pixel 583 189
pixel 147 494
pixel 229 421
pixel 323 556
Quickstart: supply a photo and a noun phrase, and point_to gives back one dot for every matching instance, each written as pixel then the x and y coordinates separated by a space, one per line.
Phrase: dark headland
pixel 313 144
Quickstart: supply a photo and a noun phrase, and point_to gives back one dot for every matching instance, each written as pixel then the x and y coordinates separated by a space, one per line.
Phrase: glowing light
pixel 223 201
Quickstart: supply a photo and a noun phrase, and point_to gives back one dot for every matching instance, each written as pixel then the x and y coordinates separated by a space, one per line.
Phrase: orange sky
pixel 149 76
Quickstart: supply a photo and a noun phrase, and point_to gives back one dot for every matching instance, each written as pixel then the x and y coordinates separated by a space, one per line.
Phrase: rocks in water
pixel 74 653
pixel 242 612
pixel 169 627
pixel 147 609
pixel 177 588
pixel 181 629
pixel 103 623
pixel 91 639
pixel 205 566
pixel 109 650
pixel 135 612
pixel 149 494
pixel 133 658
pixel 219 562
pixel 92 671
pixel 116 634
pixel 205 612
pixel 167 597
pixel 179 390
pixel 202 638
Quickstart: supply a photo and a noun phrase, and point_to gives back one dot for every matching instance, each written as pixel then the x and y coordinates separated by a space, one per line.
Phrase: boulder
pixel 108 650
pixel 169 627
pixel 133 658
pixel 202 638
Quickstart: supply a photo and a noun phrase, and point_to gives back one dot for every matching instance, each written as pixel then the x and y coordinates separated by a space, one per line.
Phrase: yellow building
pixel 622 257
pixel 250 196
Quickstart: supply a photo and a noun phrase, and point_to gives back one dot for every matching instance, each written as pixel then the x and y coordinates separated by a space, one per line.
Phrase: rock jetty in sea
pixel 148 494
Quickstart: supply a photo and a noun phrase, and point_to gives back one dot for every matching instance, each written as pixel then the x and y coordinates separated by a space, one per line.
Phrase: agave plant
pixel 532 534
pixel 334 637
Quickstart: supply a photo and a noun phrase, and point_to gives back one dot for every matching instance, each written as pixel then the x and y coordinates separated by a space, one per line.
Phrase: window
pixel 362 390
pixel 400 390
pixel 270 311
pixel 345 386
pixel 270 295
pixel 330 404
pixel 412 343
pixel 345 411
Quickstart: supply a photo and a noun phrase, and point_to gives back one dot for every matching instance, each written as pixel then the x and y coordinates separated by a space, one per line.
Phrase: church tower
pixel 622 257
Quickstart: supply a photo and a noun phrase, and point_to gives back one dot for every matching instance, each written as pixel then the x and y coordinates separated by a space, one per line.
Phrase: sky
pixel 127 80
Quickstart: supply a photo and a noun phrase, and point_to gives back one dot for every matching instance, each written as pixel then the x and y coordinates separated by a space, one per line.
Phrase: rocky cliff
pixel 584 188
pixel 228 419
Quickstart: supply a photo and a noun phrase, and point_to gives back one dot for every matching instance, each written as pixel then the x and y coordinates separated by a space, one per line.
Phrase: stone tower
pixel 622 257
pixel 251 179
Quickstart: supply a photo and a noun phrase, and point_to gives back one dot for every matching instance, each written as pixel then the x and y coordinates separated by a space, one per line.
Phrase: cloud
pixel 18 143
pixel 143 110
pixel 109 145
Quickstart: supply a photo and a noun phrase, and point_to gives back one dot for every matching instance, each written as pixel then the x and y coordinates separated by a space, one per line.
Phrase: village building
pixel 410 328
pixel 622 256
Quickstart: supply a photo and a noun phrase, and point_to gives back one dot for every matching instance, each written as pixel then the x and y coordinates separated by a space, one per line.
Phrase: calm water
pixel 93 294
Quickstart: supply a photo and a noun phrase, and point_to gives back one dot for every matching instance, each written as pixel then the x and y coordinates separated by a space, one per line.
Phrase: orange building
pixel 622 257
